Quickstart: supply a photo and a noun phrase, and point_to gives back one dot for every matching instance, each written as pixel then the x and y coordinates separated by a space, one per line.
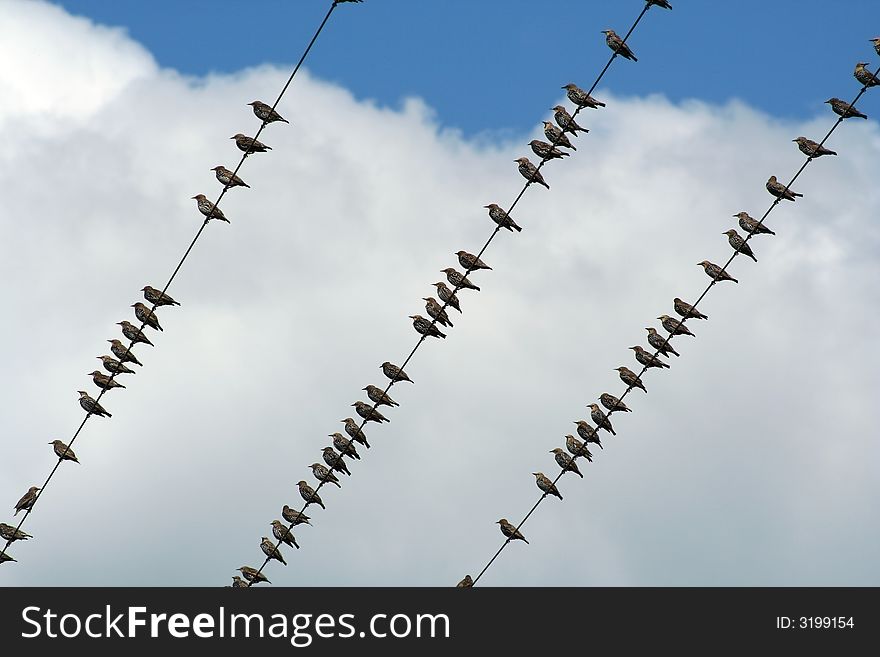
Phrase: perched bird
pixel 556 136
pixel 369 413
pixel 844 109
pixel 715 272
pixel 253 575
pixel 11 534
pixel 581 98
pixel 737 243
pixel 323 474
pixel 269 549
pixel 565 461
pixel 660 3
pixel 752 225
pixel 613 404
pixel 393 372
pixel 89 405
pixel 500 217
pixel 344 445
pixel 617 45
pixel 238 583
pixel 355 432
pixel 283 534
pixel 577 448
pixel 601 419
pixel 435 310
pixel 647 359
pixel 5 557
pixel 133 333
pixel 208 208
pixel 114 366
pixel 425 327
pixel 146 316
pixel 103 381
pixel 588 433
pixel 470 262
pixel 530 172
pixel 511 532
pixel 335 460
pixel 566 121
pixel 458 280
pixel 659 343
pixel 546 485
pixel 779 190
pixel 158 297
pixel 630 378
pixel 812 149
pixel 379 396
pixel 266 113
pixel 465 583
pixel 686 310
pixel 294 517
pixel 249 145
pixel 546 151
pixel 876 42
pixel 63 452
pixel 122 352
pixel 309 495
pixel 864 76
pixel 26 503
pixel 228 178
pixel 674 326
pixel 447 296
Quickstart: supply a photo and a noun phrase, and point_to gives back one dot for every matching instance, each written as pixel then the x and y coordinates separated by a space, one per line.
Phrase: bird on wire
pixel 253 575
pixel 295 517
pixel 426 327
pixel 630 378
pixel 577 448
pixel 91 406
pixel 648 359
pixel 588 433
pixel 103 381
pixel 114 366
pixel 63 452
pixel 344 445
pixel 11 534
pixel 269 549
pixel 500 217
pixel 379 396
pixel 581 98
pixel 459 280
pixel 601 420
pixel 309 495
pixel 547 486
pixel 466 583
pixel 447 296
pixel 228 178
pixel 715 272
pixel 238 583
pixel 323 474
pixel 470 262
pixel 249 145
pixel 530 172
pixel 26 503
pixel 435 310
pixel 752 226
pixel 369 413
pixel 613 404
pixel 147 316
pixel 686 310
pixel 511 532
pixel 844 109
pixel 674 326
pixel 355 432
pixel 738 244
pixel 283 534
pixel 122 352
pixel 565 462
pixel 265 112
pixel 864 76
pixel 393 372
pixel 335 460
pixel 208 209
pixel 659 343
pixel 617 45
pixel 158 297
pixel 133 333
pixel 780 191
pixel 566 121
pixel 547 151
pixel 556 136
pixel 811 149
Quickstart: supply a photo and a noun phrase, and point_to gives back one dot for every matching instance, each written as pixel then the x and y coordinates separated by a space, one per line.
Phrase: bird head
pixel 831 100
pixel 862 64
pixel 569 86
pixel 650 330
pixel 534 142
pixel 301 483
pixel 634 349
pixel 703 263
pixel 501 522
pixel 729 233
pixel 492 206
pixel 558 108
pixel 237 135
pixel 555 450
pixel 254 103
pixel 314 465
pixel 96 372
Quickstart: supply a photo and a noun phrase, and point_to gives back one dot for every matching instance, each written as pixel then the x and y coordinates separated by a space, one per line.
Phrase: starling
pixel 269 549
pixel 344 445
pixel 283 534
pixel 647 359
pixel 5 557
pixel 566 121
pixel 208 209
pixel 500 217
pixel 556 136
pixel 737 243
pixel 114 366
pixel 546 485
pixel 581 98
pixel 470 262
pixel 238 583
pixel 335 460
pixel 133 333
pixel 511 532
pixel 122 352
pixel 864 76
pixel 11 534
pixel 715 272
pixel 253 575
pixel 249 145
pixel 546 151
pixel 458 280
pixel 751 225
pixel 780 191
pixel 435 310
pixel 577 448
pixel 812 149
pixel 660 3
pixel 266 113
pixel 379 396
pixel 588 433
pixel 659 343
pixel 530 172
pixel 425 327
pixel 146 316
pixel 601 419
pixel 675 326
pixel 466 583
pixel 393 372
pixel 228 178
pixel 876 42
pixel 447 296
pixel 617 45
pixel 612 403
pixel 844 109
pixel 355 432
pixel 63 452
pixel 686 310
pixel 158 297
pixel 323 474
pixel 294 517
pixel 369 413
pixel 309 495
pixel 565 461
pixel 89 405
pixel 630 378
pixel 103 381
pixel 26 503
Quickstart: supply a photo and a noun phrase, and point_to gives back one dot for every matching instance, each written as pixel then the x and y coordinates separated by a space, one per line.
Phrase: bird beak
pixel 192 196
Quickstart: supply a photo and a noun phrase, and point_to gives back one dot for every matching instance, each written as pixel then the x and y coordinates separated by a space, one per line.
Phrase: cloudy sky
pixel 754 460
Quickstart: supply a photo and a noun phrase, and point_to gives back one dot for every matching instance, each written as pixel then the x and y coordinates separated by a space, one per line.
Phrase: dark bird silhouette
pixel 335 460
pixel 426 327
pixel 147 316
pixel 660 3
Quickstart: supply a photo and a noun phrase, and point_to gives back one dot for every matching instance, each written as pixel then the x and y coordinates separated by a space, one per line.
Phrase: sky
pixel 752 461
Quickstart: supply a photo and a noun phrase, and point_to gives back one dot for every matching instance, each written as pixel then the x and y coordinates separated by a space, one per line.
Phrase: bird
pixel 812 149
pixel 426 327
pixel 11 534
pixel 588 433
pixel 751 225
pixel 630 378
pixel 715 272
pixel 470 262
pixel 565 461
pixel 344 445
pixel 63 452
pixel 228 178
pixel 5 557
pixel 435 310
pixel 266 113
pixel 253 575
pixel 26 503
pixel 379 396
pixel 249 145
pixel 601 419
pixel 556 136
pixel 613 404
pixel 566 121
pixel 864 76
pixel 369 413
pixel 648 359
pixel 530 172
pixel 147 316
pixel 283 534
pixel 114 366
pixel 158 297
pixel 844 109
pixel 393 372
pixel 447 296
pixel 617 45
pixel 323 474
pixel 269 549
pixel 686 310
pixel 660 3
pixel 674 326
pixel 335 460
pixel 737 243
pixel 89 405
pixel 208 209
pixel 500 217
pixel 659 343
pixel 133 333
pixel 309 495
pixel 876 42
pixel 295 517
pixel 547 151
pixel 511 532
pixel 238 583
pixel 780 191
pixel 122 352
pixel 355 432
pixel 466 583
pixel 458 280
pixel 581 98
pixel 577 448
pixel 103 381
pixel 546 485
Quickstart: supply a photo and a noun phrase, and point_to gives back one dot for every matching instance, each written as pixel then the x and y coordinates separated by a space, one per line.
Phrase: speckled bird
pixel 435 310
pixel 864 76
pixel 63 452
pixel 208 208
pixel 114 366
pixel 565 462
pixel 737 242
pixel 5 558
pixel 264 112
pixel 547 151
pixel 556 136
pixel 844 109
pixel 510 531
pixel 530 172
pixel 145 315
pixel 335 460
pixel 566 121
pixel 122 352
pixel 630 378
pixel 752 225
pixel 499 216
pixel 309 495
pixel 447 296
pixel 546 486
pixel 466 583
pixel 780 191
pixel 660 343
pixel 344 445
pixel 253 575
pixel 617 45
pixel 470 262
pixel 613 404
pixel 379 396
pixel 601 419
pixel 269 549
pixel 648 359
pixel 393 372
pixel 811 148
pixel 283 534
pixel 876 42
pixel 103 381
pixel 26 503
pixel 355 432
pixel 581 98
pixel 674 326
pixel 369 413
pixel 295 517
pixel 586 431
pixel 426 327
pixel 238 583
pixel 715 272
pixel 323 474
pixel 686 310
pixel 91 406
pixel 577 448
pixel 228 178
pixel 11 534
pixel 133 333
pixel 458 280
pixel 158 297
pixel 249 145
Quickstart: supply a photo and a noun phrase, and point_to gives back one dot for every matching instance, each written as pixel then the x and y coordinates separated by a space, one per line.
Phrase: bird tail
pixel 107 414
pixel 525 540
pixel 545 184
pixel 244 184
pixel 516 227
pixel 600 103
